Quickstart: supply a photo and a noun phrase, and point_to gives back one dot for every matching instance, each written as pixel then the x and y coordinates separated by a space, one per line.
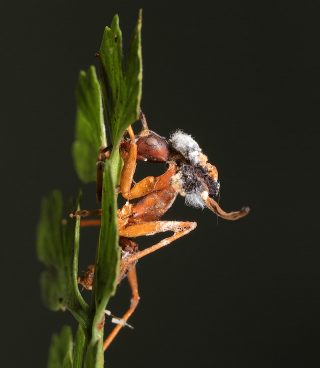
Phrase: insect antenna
pixel 219 197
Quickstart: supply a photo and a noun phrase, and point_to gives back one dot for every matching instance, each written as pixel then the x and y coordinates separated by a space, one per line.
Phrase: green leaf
pixel 94 357
pixel 79 349
pixel 58 249
pixel 60 352
pixel 122 95
pixel 122 78
pixel 90 129
pixel 133 79
pixel 108 253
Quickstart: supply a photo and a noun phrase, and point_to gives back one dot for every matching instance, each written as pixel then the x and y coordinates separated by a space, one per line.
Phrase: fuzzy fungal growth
pixel 193 185
pixel 194 182
pixel 186 146
pixel 197 179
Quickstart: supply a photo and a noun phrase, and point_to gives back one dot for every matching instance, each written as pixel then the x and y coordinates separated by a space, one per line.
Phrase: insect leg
pixel 143 121
pixel 129 166
pixel 133 282
pixel 213 206
pixel 104 154
pixel 89 223
pixel 151 184
pixel 179 229
pixel 86 213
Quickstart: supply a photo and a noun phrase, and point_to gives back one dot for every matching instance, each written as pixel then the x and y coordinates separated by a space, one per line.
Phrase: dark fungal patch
pixel 192 179
pixel 196 179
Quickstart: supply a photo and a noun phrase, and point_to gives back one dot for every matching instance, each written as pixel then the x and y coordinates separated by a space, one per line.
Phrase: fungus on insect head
pixel 186 145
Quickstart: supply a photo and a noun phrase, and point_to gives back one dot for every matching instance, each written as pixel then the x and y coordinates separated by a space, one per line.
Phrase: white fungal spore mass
pixel 186 145
pixel 194 200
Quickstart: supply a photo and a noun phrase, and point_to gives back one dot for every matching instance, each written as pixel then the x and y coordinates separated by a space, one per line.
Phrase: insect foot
pixel 118 321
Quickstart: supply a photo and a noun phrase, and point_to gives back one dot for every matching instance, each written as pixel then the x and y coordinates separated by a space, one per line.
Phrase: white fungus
pixel 194 200
pixel 186 145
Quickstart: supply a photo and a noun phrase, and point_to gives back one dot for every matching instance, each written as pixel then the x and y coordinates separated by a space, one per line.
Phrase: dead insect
pixel 189 174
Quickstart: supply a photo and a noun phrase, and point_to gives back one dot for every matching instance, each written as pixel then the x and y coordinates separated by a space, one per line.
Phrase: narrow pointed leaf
pixel 108 253
pixel 90 130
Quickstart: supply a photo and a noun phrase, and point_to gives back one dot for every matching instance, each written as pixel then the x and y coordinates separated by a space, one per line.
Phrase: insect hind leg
pixel 133 282
pixel 179 229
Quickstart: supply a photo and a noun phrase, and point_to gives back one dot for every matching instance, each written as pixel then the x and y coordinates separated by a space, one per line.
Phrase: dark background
pixel 243 79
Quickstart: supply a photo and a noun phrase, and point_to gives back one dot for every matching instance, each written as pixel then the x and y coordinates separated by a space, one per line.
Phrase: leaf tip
pixel 115 21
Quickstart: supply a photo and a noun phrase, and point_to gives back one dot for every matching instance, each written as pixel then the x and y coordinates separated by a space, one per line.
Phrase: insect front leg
pixel 129 168
pixel 151 184
pixel 143 121
pixel 104 154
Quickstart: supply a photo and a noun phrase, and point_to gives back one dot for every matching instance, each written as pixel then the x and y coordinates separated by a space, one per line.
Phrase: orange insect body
pixel 189 174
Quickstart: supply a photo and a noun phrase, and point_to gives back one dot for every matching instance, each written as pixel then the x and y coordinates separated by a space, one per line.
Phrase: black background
pixel 243 79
